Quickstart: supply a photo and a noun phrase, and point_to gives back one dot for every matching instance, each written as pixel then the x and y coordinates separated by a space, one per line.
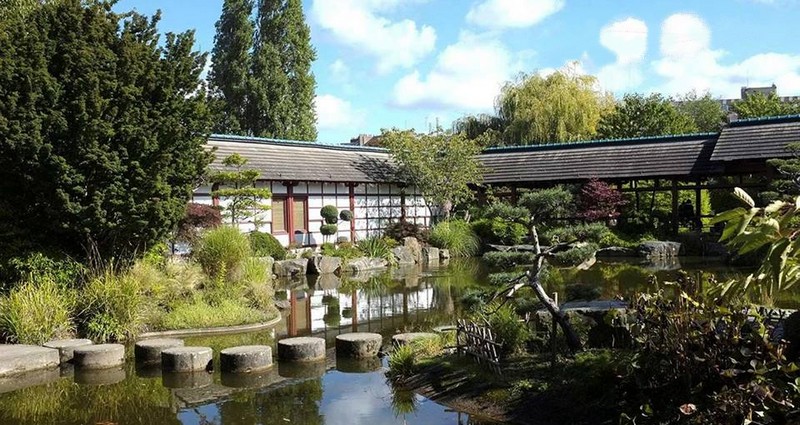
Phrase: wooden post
pixel 674 191
pixel 352 194
pixel 698 210
pixel 554 333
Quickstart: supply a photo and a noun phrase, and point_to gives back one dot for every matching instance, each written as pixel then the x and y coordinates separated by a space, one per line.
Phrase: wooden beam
pixel 674 191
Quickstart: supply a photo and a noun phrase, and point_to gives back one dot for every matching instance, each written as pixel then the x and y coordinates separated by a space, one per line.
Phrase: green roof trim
pixel 766 120
pixel 297 143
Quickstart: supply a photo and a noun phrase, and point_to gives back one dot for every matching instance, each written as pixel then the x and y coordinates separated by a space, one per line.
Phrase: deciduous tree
pixel 758 105
pixel 102 128
pixel 440 165
pixel 705 111
pixel 640 116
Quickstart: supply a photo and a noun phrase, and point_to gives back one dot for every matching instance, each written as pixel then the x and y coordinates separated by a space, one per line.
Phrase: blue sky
pixel 409 63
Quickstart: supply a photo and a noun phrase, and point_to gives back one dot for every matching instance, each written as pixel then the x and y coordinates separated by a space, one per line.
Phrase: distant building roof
pixel 292 160
pixel 759 138
pixel 613 159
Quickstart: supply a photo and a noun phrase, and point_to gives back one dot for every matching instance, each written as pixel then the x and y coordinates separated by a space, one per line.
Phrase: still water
pixel 330 392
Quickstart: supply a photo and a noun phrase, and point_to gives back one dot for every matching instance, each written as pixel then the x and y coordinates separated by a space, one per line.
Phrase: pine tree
pixel 282 85
pixel 230 66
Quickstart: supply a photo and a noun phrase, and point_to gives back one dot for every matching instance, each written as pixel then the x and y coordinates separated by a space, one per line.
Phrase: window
pixel 279 223
pixel 299 214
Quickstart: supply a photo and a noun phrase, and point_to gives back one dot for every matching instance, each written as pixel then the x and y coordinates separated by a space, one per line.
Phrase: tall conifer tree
pixel 230 66
pixel 282 85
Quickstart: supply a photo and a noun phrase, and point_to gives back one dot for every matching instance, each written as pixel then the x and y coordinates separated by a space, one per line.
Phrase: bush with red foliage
pixel 198 216
pixel 599 201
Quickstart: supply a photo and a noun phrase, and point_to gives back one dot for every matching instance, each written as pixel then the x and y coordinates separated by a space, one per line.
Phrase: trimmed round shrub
pixel 329 229
pixel 222 250
pixel 456 236
pixel 330 214
pixel 266 245
pixel 346 215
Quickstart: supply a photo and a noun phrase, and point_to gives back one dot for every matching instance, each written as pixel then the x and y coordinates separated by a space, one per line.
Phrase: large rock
pixel 413 245
pixel 430 255
pixel 404 255
pixel 659 249
pixel 66 347
pixel 323 264
pixel 15 359
pixel 289 268
pixel 444 254
pixel 361 264
pixel 615 252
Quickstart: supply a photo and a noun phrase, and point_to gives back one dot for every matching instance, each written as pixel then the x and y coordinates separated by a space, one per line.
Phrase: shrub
pixel 265 245
pixel 402 362
pixel 599 201
pixel 499 231
pixel 509 330
pixel 37 266
pixel 198 217
pixel 503 278
pixel 592 232
pixel 329 229
pixel 222 250
pixel 376 247
pixel 345 250
pixel 346 215
pixel 330 214
pixel 400 230
pixel 508 259
pixel 456 236
pixel 576 255
pixel 36 312
pixel 111 306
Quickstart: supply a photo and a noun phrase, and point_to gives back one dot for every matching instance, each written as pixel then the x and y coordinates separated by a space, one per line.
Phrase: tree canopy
pixel 640 116
pixel 758 105
pixel 705 111
pixel 244 201
pixel 261 70
pixel 440 165
pixel 102 128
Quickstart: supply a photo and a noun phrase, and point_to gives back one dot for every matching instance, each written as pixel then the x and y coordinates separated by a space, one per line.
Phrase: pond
pixel 336 392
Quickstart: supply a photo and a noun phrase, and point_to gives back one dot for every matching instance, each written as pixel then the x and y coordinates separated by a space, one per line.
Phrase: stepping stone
pixel 107 376
pixel 358 345
pixel 66 347
pixel 149 350
pixel 186 359
pixel 245 359
pixel 407 338
pixel 101 356
pixel 302 349
pixel 15 359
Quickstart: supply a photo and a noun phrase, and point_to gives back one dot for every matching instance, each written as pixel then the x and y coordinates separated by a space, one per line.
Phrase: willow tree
pixel 561 107
pixel 441 165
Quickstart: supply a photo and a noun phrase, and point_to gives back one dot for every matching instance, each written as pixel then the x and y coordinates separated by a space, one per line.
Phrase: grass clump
pixel 456 236
pixel 266 245
pixel 112 306
pixel 201 314
pixel 377 247
pixel 222 250
pixel 35 312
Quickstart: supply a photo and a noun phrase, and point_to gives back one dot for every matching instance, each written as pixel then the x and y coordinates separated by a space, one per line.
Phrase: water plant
pixel 35 312
pixel 377 247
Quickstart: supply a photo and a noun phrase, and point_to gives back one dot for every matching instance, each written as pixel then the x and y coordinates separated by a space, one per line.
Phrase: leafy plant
pixel 36 311
pixel 456 236
pixel 499 231
pixel 111 306
pixel 774 228
pixel 266 245
pixel 222 250
pixel 400 230
pixel 509 330
pixel 599 201
pixel 198 217
pixel 376 247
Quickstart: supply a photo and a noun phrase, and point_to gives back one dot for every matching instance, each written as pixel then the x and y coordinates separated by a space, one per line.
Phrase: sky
pixel 418 63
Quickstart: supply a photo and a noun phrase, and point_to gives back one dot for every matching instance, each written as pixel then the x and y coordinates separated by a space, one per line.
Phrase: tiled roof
pixel 757 139
pixel 630 158
pixel 289 160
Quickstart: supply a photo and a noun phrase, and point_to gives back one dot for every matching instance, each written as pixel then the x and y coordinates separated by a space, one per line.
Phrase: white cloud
pixel 498 14
pixel 689 62
pixel 336 113
pixel 339 70
pixel 359 24
pixel 467 76
pixel 627 39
